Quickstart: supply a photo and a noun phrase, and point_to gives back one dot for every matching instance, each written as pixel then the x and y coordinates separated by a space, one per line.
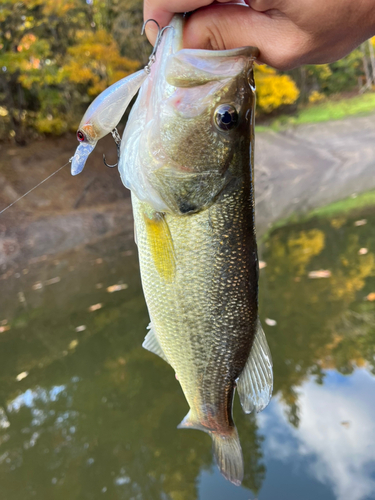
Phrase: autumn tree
pixel 55 56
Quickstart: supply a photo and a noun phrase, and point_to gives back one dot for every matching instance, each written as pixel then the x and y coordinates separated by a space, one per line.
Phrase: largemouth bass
pixel 187 157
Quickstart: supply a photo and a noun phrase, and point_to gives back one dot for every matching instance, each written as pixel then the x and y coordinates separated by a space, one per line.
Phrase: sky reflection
pixel 336 433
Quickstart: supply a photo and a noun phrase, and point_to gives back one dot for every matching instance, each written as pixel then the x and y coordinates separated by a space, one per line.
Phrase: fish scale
pixel 205 320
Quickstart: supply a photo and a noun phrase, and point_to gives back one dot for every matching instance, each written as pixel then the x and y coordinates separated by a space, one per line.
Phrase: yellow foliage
pixel 50 125
pixel 274 90
pixel 316 96
pixel 95 61
pixel 351 278
pixel 59 7
pixel 338 222
pixel 323 71
pixel 305 246
pixel 354 268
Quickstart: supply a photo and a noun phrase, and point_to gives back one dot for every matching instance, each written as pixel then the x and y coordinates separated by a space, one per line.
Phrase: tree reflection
pixel 321 323
pixel 99 417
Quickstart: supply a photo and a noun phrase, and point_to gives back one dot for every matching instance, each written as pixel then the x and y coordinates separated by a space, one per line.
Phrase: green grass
pixel 335 209
pixel 343 207
pixel 326 111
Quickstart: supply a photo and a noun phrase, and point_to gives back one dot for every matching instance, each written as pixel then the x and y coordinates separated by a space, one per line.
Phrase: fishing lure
pixel 105 112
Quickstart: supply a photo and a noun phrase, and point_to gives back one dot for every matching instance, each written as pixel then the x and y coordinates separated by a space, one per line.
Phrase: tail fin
pixel 226 448
pixel 228 454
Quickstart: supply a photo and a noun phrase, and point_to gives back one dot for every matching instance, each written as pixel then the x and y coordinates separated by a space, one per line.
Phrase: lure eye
pixel 225 117
pixel 81 136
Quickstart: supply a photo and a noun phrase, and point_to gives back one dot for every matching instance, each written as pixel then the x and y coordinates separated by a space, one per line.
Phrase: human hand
pixel 288 33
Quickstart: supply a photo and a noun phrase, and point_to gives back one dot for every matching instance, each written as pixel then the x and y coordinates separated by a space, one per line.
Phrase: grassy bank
pixel 338 208
pixel 333 109
pixel 343 207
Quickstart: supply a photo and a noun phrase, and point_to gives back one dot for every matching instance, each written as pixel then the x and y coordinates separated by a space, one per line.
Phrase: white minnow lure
pixel 105 112
pixel 103 115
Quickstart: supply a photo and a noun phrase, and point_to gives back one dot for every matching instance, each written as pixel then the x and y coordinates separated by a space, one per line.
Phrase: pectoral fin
pixel 161 244
pixel 254 385
pixel 151 343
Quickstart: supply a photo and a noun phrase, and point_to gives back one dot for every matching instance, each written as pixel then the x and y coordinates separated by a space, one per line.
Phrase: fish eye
pixel 81 136
pixel 225 117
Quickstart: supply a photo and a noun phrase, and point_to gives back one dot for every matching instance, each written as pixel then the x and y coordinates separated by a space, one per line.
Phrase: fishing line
pixel 32 189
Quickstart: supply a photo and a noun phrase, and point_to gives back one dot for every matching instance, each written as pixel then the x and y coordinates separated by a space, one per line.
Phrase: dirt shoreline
pixel 296 171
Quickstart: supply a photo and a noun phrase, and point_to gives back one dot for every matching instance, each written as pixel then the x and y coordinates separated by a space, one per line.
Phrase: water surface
pixel 86 413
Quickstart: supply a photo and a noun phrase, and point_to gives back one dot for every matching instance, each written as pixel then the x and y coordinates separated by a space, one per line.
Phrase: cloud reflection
pixel 336 433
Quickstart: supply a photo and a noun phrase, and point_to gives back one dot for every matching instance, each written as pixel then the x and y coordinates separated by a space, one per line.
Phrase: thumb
pixel 228 26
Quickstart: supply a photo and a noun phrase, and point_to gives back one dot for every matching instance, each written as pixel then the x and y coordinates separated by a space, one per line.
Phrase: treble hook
pixel 152 57
pixel 147 68
pixel 117 139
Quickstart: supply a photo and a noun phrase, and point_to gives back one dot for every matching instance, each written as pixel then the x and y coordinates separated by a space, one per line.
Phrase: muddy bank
pixel 311 166
pixel 296 170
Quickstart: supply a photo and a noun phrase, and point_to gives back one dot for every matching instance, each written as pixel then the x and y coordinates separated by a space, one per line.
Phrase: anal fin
pixel 151 343
pixel 190 422
pixel 255 383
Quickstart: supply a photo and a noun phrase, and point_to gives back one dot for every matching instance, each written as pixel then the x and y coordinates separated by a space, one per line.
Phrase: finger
pixel 163 10
pixel 280 43
pixel 264 5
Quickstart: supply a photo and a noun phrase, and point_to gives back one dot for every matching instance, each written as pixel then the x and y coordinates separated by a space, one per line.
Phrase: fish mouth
pixel 172 37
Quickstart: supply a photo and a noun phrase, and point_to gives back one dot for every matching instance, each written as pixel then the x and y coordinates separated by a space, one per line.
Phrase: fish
pixel 187 155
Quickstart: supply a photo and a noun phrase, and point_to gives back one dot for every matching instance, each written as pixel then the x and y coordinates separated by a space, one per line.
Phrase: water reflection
pixel 324 323
pixel 336 436
pixel 86 413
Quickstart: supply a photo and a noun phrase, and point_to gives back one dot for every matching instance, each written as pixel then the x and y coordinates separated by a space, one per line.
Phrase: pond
pixel 86 413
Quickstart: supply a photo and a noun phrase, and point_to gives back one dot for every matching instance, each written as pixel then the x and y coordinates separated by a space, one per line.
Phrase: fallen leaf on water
pixel 52 281
pixel 37 286
pixel 321 273
pixel 3 322
pixel 346 424
pixel 4 329
pixel 270 322
pixel 25 271
pixel 99 261
pixel 363 251
pixel 370 297
pixel 80 328
pixel 21 376
pixel 73 344
pixel 361 222
pixel 21 297
pixel 262 264
pixel 117 288
pixel 127 253
pixel 99 286
pixel 95 307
